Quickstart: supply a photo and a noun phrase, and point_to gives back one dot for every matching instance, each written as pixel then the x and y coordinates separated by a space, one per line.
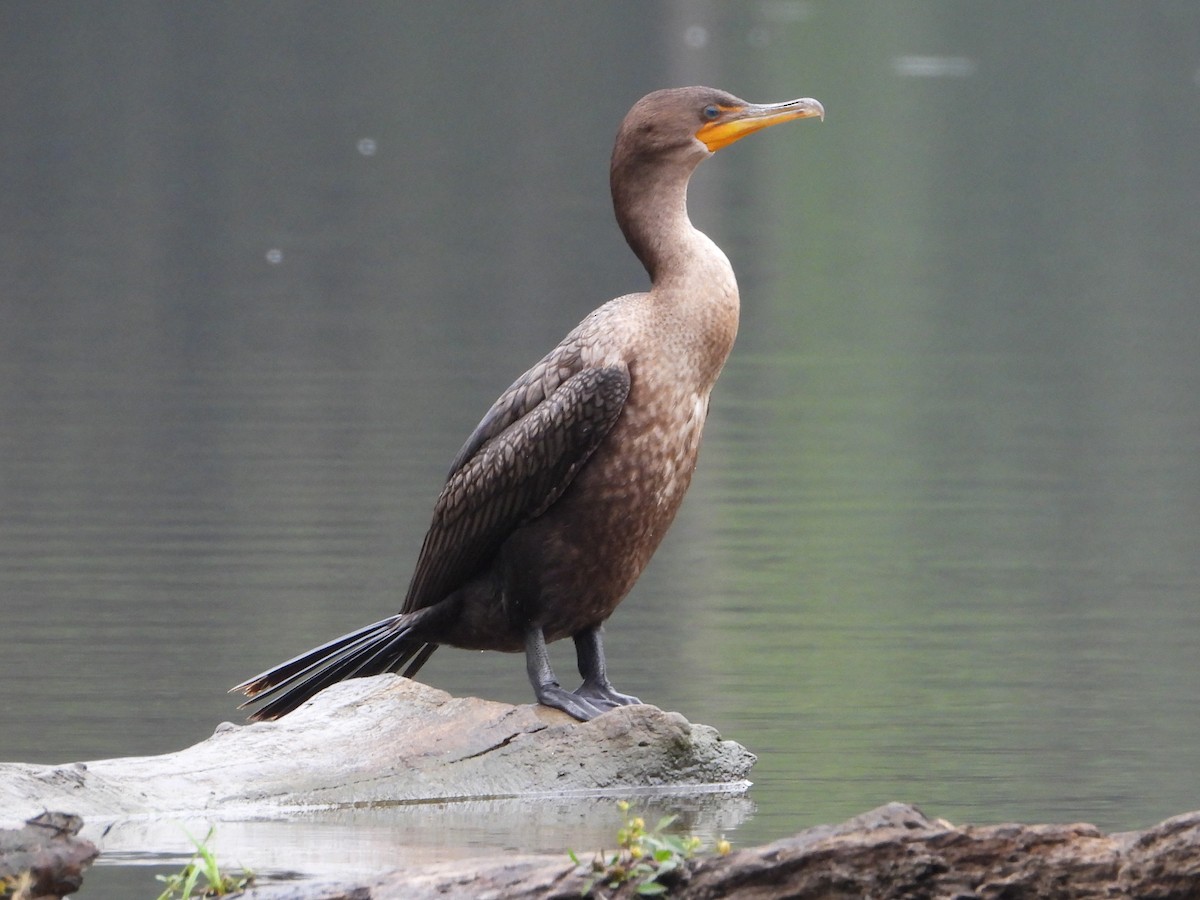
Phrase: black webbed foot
pixel 546 687
pixel 574 705
pixel 604 695
pixel 595 696
pixel 596 688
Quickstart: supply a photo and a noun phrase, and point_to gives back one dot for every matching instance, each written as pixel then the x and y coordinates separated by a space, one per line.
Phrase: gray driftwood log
pixel 891 853
pixel 386 739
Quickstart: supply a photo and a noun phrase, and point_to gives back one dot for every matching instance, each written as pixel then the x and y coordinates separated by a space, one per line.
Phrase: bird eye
pixel 711 112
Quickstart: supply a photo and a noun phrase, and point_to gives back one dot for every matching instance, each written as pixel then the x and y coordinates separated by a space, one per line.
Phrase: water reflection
pixel 362 840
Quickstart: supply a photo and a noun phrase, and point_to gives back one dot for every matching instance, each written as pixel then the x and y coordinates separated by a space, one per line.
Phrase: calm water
pixel 263 268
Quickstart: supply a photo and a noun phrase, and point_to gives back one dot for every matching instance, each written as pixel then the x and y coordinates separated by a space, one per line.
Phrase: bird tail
pixel 385 646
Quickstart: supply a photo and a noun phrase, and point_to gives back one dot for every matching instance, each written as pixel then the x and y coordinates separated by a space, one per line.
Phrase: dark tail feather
pixel 422 657
pixel 328 667
pixel 285 672
pixel 383 646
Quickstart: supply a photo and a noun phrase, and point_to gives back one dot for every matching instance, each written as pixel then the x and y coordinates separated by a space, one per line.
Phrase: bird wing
pixel 520 459
pixel 522 395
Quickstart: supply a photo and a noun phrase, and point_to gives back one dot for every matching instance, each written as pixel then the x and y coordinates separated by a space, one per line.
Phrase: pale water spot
pixel 934 66
pixel 696 36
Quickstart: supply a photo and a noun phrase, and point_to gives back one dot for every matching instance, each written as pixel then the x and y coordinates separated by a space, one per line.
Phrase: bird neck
pixel 651 208
pixel 693 290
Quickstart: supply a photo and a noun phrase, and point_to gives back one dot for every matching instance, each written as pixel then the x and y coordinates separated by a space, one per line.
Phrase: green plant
pixel 203 863
pixel 645 856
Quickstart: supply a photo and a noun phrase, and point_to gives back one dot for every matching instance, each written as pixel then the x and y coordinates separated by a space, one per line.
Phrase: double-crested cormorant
pixel 556 502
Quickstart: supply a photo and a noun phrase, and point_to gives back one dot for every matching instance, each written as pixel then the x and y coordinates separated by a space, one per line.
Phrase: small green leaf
pixel 651 889
pixel 675 845
pixel 574 858
pixel 665 822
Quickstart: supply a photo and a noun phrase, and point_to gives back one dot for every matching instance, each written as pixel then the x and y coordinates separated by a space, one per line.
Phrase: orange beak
pixel 736 122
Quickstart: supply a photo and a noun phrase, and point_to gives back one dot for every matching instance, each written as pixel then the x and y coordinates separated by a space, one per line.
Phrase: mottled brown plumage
pixel 557 501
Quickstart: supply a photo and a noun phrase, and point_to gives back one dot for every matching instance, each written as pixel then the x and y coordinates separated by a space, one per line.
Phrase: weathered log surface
pixel 891 853
pixel 45 858
pixel 386 739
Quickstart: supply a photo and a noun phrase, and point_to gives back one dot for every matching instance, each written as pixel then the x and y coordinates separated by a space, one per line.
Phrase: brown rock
pixel 45 858
pixel 891 853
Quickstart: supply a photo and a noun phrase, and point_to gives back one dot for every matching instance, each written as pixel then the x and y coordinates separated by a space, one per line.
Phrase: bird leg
pixel 596 688
pixel 546 687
